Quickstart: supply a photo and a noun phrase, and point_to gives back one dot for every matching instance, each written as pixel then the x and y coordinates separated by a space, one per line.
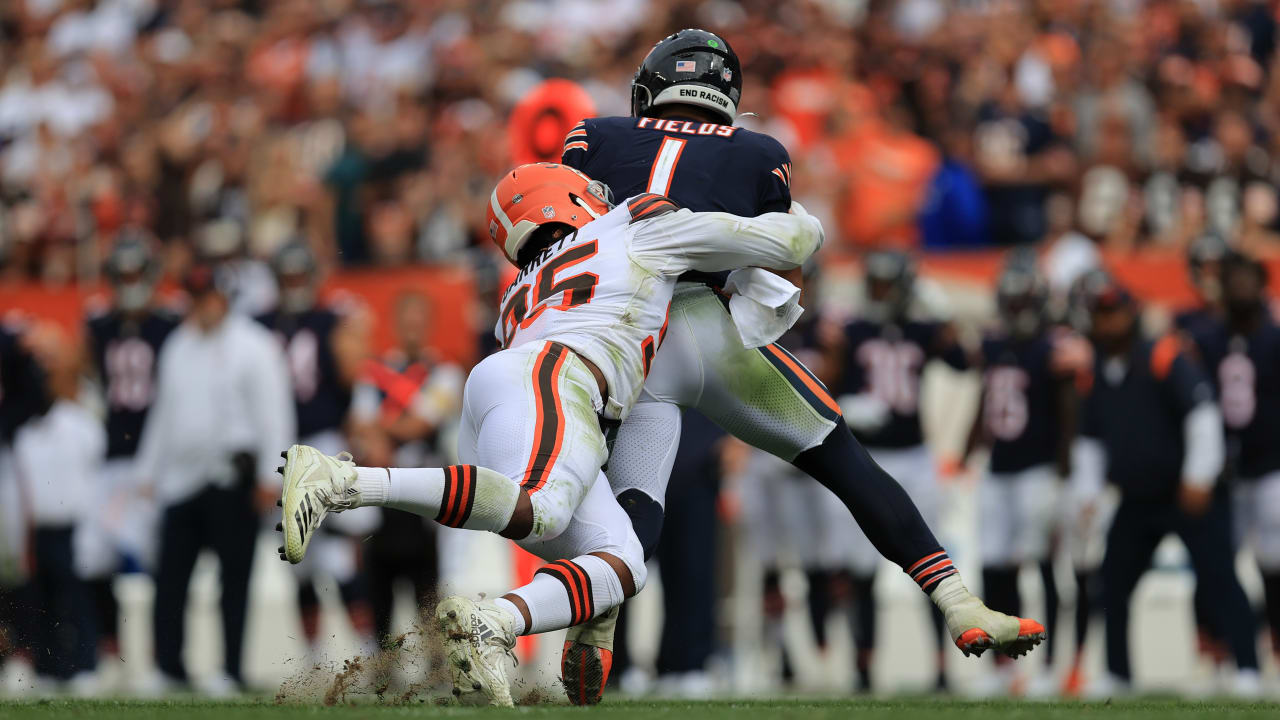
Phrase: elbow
pixel 806 241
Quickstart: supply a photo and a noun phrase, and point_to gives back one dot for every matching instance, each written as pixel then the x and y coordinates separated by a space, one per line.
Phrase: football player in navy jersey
pixel 1150 426
pixel 876 366
pixel 1248 373
pixel 1204 325
pixel 324 350
pixel 1026 418
pixel 123 342
pixel 1205 256
pixel 681 142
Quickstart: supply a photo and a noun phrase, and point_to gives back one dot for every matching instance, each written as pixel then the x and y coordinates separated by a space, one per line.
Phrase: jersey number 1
pixel 664 165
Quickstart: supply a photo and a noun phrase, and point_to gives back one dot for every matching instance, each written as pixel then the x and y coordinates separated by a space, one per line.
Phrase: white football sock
pixel 517 618
pixel 570 592
pixel 464 496
pixel 374 485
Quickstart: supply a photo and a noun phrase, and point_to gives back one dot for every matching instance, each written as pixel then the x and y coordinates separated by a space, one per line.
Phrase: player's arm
pixel 1070 368
pixel 680 241
pixel 576 145
pixel 438 400
pixel 775 193
pixel 947 347
pixel 978 432
pixel 1205 453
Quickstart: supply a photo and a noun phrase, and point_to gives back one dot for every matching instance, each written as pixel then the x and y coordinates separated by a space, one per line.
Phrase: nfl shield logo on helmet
pixel 493 229
pixel 548 212
pixel 726 74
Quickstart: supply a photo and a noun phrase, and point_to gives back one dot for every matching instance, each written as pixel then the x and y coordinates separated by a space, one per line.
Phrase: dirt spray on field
pixel 406 669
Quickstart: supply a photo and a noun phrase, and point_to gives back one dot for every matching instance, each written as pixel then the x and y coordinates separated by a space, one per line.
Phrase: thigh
pixel 534 411
pixel 1135 532
pixel 599 524
pixel 1035 504
pixel 644 450
pixel 1267 532
pixel 763 396
pixel 998 523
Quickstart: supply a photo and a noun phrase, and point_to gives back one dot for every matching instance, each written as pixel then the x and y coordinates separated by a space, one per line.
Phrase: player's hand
pixel 1194 499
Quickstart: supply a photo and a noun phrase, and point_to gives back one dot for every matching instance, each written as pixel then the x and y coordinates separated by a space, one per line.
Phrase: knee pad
pixel 646 519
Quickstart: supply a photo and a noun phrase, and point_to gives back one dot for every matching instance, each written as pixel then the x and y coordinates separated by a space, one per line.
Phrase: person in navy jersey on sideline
pixel 876 365
pixel 1150 426
pixel 324 346
pixel 123 343
pixel 1027 419
pixel 1243 356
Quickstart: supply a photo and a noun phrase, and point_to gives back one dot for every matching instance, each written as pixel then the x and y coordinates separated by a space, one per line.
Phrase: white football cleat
pixel 478 640
pixel 315 485
pixel 976 628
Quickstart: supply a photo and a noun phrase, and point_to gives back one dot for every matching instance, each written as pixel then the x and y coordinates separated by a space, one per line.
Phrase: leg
pixel 179 546
pixel 1267 550
pixel 234 532
pixel 687 556
pixel 1208 540
pixel 1135 532
pixel 640 465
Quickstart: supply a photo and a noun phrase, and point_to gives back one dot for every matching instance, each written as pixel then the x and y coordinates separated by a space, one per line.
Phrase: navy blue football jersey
pixel 1136 408
pixel 319 395
pixel 1020 402
pixel 1208 336
pixel 23 391
pixel 125 351
pixel 887 361
pixel 702 166
pixel 1248 379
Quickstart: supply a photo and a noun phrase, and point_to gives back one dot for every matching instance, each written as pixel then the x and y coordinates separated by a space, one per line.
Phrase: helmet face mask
pixel 690 67
pixel 297 276
pixel 132 271
pixel 888 285
pixel 1022 297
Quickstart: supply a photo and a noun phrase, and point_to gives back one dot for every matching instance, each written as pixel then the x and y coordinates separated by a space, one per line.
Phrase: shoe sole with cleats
pixel 453 617
pixel 976 641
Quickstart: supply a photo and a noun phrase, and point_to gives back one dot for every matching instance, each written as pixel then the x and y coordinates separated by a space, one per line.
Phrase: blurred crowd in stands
pixel 164 134
pixel 374 127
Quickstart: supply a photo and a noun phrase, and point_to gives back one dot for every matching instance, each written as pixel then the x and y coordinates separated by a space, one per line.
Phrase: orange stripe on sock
pixel 924 560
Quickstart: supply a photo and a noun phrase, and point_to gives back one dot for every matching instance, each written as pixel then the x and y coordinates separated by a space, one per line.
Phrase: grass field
pixel 896 709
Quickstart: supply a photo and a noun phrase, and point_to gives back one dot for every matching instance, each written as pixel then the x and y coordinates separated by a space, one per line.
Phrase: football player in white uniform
pixel 580 326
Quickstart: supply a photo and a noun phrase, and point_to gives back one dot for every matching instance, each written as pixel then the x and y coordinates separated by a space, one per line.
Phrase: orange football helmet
pixel 537 194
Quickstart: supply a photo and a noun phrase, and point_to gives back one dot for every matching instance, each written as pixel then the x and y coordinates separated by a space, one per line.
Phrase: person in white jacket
pixel 223 409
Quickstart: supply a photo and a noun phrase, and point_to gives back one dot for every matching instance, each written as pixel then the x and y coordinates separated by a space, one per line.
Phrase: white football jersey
pixel 604 290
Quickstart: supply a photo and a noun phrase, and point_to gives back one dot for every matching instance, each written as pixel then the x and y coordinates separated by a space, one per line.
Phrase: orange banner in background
pixel 448 289
pixel 1153 275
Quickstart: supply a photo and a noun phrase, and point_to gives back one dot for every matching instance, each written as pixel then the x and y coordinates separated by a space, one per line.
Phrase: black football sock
pixel 877 502
pixel 863 619
pixel 1051 601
